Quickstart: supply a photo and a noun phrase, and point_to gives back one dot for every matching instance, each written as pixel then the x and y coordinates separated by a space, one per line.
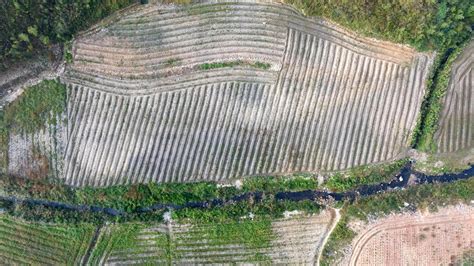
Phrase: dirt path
pixel 335 219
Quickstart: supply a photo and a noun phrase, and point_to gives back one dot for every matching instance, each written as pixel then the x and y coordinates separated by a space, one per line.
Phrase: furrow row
pixel 456 125
pixel 330 109
pixel 346 87
pixel 270 14
pixel 173 83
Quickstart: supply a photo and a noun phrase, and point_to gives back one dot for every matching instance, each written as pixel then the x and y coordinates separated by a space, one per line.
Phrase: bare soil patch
pixel 438 238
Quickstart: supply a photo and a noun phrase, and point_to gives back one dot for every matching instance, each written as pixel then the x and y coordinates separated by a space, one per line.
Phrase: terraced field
pixel 142 108
pixel 24 243
pixel 291 240
pixel 429 239
pixel 456 130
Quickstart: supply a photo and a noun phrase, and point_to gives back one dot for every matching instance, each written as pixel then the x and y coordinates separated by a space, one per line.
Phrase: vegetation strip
pixel 214 65
pixel 92 244
pixel 400 180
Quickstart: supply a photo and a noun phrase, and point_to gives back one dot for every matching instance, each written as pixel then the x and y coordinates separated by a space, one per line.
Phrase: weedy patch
pixel 363 175
pixel 38 106
pixel 173 62
pixel 260 65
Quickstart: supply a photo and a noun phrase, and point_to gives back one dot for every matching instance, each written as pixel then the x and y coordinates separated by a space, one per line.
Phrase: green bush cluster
pixel 30 25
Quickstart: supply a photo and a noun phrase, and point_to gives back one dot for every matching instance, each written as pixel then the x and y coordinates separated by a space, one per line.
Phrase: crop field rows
pixel 215 244
pixel 141 109
pixel 151 246
pixel 434 239
pixel 456 130
pixel 24 243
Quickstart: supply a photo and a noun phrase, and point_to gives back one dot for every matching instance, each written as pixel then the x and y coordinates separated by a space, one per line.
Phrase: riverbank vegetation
pixel 364 175
pixel 129 198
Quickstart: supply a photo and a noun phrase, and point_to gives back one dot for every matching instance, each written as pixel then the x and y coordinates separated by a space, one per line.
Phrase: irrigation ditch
pixel 399 181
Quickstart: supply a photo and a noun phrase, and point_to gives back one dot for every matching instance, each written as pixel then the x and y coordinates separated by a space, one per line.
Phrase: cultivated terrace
pixel 181 132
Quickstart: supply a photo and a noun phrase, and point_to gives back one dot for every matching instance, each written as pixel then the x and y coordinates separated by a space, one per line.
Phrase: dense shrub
pixel 27 26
